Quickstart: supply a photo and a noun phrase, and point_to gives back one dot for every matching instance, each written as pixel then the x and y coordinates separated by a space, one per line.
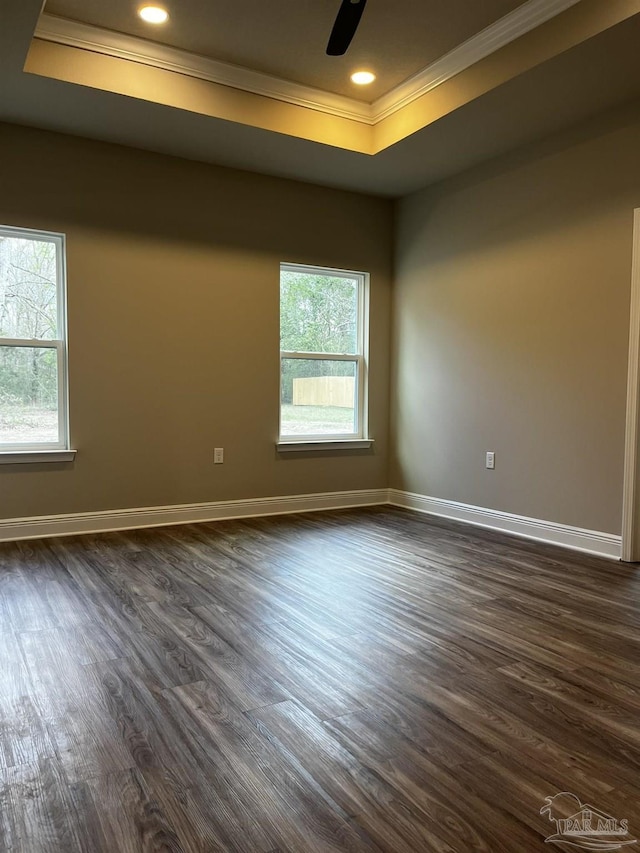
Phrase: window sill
pixel 314 445
pixel 16 457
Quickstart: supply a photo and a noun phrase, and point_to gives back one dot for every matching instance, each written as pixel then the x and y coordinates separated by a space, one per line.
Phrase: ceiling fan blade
pixel 345 26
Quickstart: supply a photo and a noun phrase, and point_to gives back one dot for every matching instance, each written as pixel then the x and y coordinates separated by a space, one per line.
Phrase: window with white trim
pixel 33 370
pixel 323 348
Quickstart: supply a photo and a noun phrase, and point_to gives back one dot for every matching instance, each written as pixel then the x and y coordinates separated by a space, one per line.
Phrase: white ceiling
pixel 598 73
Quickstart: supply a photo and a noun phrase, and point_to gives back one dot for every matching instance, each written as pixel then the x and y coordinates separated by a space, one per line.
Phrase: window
pixel 33 386
pixel 323 342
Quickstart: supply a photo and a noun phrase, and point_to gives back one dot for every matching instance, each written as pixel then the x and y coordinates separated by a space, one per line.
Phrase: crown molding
pixel 110 43
pixel 522 20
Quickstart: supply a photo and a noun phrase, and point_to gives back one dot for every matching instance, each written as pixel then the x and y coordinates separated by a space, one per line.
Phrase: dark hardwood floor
pixel 367 680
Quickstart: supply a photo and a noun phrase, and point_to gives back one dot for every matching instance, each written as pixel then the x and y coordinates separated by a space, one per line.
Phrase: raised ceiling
pixel 287 38
pixel 544 66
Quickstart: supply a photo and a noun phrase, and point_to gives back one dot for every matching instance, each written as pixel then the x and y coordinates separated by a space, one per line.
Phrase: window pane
pixel 318 313
pixel 28 294
pixel 318 397
pixel 28 395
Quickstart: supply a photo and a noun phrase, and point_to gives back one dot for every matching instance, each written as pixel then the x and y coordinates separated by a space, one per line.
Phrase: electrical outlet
pixel 218 455
pixel 491 459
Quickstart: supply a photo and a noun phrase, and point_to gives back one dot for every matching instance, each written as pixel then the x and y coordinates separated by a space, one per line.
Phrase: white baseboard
pixel 590 541
pixel 160 516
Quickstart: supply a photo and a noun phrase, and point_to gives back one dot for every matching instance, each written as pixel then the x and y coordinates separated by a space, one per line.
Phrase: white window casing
pixel 57 450
pixel 358 438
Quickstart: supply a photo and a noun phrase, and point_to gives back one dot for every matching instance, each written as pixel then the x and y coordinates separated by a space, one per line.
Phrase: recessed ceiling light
pixel 362 78
pixel 153 14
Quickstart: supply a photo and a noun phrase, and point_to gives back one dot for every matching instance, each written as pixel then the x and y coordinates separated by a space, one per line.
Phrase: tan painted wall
pixel 511 329
pixel 173 312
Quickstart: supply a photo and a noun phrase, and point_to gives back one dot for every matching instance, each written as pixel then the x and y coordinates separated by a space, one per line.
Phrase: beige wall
pixel 173 313
pixel 511 329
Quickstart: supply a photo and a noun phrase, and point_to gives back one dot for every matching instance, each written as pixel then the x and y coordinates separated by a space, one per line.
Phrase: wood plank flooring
pixel 367 680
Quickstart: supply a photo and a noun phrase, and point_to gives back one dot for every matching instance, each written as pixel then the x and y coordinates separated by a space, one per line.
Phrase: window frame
pixel 360 436
pixel 23 451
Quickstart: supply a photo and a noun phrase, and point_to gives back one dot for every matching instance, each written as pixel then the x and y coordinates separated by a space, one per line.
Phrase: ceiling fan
pixel 345 26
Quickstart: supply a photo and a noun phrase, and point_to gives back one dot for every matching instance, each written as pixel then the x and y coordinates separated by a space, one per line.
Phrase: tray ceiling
pixel 543 66
pixel 396 38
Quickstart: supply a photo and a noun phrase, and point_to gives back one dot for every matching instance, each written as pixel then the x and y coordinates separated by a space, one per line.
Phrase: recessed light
pixel 153 14
pixel 362 78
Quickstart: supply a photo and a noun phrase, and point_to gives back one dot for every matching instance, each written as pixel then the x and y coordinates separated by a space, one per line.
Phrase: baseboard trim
pixel 161 516
pixel 576 538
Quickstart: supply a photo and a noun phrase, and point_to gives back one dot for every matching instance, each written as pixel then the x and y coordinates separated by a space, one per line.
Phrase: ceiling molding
pixel 110 43
pixel 522 20
pixel 504 31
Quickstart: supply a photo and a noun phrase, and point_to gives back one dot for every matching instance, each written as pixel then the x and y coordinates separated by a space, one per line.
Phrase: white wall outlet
pixel 218 455
pixel 491 459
